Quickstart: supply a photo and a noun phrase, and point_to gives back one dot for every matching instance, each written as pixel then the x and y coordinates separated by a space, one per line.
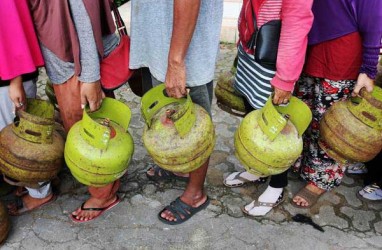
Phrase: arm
pixel 369 16
pixel 17 93
pixel 91 92
pixel 184 22
pixel 297 19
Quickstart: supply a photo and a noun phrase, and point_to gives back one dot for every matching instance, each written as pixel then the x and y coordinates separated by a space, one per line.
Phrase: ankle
pixel 271 194
pixel 193 199
pixel 313 188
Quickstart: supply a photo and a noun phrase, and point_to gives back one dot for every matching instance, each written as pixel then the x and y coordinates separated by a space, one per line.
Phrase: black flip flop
pixel 161 174
pixel 101 210
pixel 181 211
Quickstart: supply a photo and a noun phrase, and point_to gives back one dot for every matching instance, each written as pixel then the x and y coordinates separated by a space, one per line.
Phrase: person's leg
pixel 69 101
pixel 372 191
pixel 194 194
pixel 374 171
pixel 271 197
pixel 322 172
pixel 100 197
pixel 35 198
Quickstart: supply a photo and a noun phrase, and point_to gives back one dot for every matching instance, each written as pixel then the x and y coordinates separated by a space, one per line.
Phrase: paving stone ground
pixel 349 223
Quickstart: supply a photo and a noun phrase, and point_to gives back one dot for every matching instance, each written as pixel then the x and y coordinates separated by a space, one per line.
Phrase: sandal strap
pixel 243 179
pixel 308 195
pixel 371 188
pixel 178 208
pixel 161 172
pixel 270 204
pixel 97 208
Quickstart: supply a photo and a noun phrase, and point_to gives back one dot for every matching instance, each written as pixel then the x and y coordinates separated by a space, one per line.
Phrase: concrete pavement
pixel 348 222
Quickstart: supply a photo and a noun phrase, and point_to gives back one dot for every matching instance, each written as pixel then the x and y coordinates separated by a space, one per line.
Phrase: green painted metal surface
pixel 368 108
pixel 155 99
pixel 179 135
pixel 268 141
pixel 99 148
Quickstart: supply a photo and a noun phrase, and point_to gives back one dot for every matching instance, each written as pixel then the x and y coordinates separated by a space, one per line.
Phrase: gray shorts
pixel 201 95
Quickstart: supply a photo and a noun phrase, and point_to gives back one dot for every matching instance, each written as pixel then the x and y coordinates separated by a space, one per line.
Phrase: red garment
pixel 337 59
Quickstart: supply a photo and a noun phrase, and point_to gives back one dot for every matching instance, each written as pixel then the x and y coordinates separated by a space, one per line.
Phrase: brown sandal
pixel 308 196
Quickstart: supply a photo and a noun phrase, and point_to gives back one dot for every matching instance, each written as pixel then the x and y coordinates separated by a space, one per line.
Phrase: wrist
pixel 176 60
pixel 17 81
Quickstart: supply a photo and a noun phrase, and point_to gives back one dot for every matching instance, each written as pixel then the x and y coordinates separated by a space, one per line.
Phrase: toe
pixel 249 206
pixel 76 213
pixel 150 171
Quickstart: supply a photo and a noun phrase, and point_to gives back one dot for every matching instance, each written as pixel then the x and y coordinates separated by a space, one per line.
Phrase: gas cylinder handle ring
pixel 156 99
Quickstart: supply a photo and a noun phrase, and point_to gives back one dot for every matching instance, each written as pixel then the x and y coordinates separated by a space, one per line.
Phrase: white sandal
pixel 241 180
pixel 256 203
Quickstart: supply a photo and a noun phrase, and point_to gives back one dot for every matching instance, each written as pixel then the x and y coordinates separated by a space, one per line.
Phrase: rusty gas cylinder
pixel 4 224
pixel 31 150
pixel 351 130
pixel 227 98
pixel 179 135
pixel 269 140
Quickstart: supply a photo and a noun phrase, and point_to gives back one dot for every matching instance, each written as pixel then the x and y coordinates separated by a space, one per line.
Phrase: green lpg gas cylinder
pixel 269 140
pixel 99 148
pixel 179 135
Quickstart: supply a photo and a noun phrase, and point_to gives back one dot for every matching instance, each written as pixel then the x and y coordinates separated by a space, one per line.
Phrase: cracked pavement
pixel 349 223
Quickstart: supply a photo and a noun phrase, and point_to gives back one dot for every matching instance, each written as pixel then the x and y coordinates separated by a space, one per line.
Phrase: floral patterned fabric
pixel 319 94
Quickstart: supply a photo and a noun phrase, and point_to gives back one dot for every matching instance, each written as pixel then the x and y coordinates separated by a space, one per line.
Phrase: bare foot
pixel 301 201
pixel 86 215
pixel 167 215
pixel 28 203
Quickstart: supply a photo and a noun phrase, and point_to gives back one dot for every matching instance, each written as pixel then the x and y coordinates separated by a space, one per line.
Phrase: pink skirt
pixel 19 49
